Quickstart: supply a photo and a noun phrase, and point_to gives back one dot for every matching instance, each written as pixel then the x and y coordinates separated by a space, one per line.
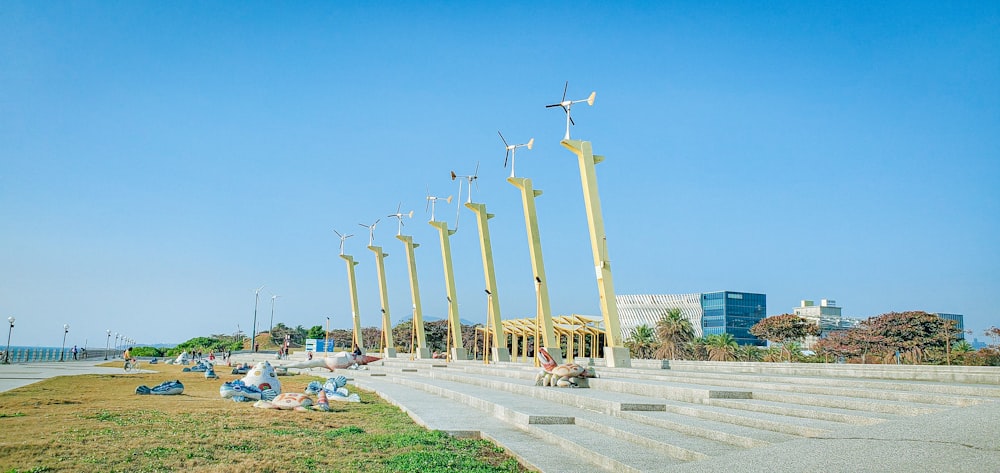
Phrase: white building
pixel 827 315
pixel 647 309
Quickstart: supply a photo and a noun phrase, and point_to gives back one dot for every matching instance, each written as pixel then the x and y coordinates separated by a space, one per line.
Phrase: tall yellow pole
pixel 499 352
pixel 615 353
pixel 456 350
pixel 544 312
pixel 418 318
pixel 389 350
pixel 355 318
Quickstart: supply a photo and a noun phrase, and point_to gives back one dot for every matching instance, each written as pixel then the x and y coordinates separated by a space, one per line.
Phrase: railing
pixel 32 355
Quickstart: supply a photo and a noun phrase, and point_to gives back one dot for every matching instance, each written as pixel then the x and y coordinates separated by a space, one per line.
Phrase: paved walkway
pixel 16 375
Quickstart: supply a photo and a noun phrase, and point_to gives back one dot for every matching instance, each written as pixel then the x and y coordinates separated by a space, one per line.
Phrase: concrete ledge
pixel 955 374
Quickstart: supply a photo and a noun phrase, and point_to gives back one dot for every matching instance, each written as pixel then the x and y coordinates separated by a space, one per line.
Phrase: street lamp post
pixel 6 354
pixel 62 353
pixel 253 331
pixel 271 329
pixel 116 343
pixel 107 345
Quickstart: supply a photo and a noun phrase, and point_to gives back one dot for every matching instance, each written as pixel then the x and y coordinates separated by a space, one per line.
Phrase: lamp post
pixel 253 331
pixel 6 354
pixel 271 329
pixel 62 353
pixel 107 345
pixel 116 343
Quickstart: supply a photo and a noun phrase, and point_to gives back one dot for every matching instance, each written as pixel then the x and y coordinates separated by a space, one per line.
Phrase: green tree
pixel 315 332
pixel 674 332
pixel 721 347
pixel 642 342
pixel 784 328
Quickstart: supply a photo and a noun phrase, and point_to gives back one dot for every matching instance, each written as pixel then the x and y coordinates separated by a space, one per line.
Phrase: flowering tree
pixel 912 333
pixel 858 342
pixel 784 328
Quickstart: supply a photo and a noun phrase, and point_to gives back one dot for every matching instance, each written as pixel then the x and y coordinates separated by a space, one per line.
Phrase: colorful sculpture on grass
pixel 334 390
pixel 263 376
pixel 339 360
pixel 238 391
pixel 322 403
pixel 164 388
pixel 210 373
pixel 287 401
pixel 564 375
pixel 182 359
pixel 199 367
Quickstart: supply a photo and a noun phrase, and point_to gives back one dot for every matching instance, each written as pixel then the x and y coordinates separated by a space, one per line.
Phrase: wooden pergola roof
pixel 568 325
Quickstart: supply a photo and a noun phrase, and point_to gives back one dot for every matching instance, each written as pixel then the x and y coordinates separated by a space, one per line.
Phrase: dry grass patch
pixel 97 423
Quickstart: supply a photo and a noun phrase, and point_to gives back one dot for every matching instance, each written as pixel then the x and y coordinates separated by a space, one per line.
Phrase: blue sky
pixel 159 161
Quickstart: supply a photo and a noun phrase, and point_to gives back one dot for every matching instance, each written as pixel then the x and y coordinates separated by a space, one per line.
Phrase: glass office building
pixel 709 312
pixel 959 322
pixel 733 313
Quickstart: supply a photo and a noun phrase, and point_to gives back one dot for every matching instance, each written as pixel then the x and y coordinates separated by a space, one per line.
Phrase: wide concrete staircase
pixel 661 415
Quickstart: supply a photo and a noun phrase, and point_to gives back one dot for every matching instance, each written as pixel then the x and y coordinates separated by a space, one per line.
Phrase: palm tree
pixel 794 349
pixel 642 342
pixel 674 332
pixel 748 353
pixel 697 349
pixel 721 347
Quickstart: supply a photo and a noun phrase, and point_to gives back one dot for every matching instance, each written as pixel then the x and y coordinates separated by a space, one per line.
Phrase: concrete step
pixel 608 453
pixel 711 378
pixel 611 448
pixel 735 427
pixel 693 388
pixel 433 412
pixel 813 412
pixel 784 408
pixel 988 375
pixel 772 422
pixel 728 433
pixel 850 403
pixel 858 390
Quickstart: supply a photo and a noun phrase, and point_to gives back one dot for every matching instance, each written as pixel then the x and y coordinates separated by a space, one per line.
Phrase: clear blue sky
pixel 161 160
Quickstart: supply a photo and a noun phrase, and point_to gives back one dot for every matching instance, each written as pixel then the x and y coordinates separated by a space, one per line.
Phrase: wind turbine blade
pixel 453 175
pixel 553 105
pixel 399 207
pixel 376 221
pixel 448 200
pixel 571 122
pixel 565 88
pixel 506 156
pixel 531 143
pixel 501 138
pixel 348 236
pixel 410 214
pixel 338 233
pixel 475 175
pixel 590 100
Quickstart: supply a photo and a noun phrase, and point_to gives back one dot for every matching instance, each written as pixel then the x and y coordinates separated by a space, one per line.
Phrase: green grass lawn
pixel 95 423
